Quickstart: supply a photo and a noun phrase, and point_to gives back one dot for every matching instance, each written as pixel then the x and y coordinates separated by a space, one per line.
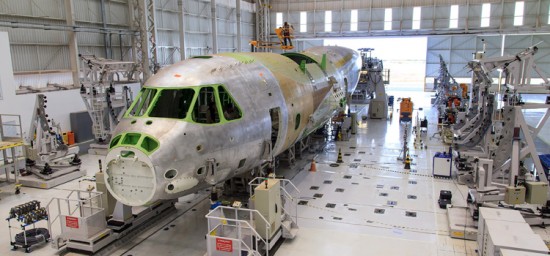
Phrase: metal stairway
pixel 289 221
pixel 237 230
pixel 233 230
pixel 290 227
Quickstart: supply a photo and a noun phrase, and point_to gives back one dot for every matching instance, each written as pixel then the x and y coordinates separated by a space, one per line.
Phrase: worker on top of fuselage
pixel 287 31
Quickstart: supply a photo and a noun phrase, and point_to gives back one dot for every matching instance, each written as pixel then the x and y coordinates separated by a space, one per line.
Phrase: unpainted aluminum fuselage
pixel 275 95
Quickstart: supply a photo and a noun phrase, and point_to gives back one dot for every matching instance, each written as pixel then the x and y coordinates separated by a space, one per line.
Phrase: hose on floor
pixel 34 236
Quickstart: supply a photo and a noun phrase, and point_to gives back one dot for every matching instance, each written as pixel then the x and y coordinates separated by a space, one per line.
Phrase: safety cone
pixel 340 156
pixel 313 167
pixel 408 163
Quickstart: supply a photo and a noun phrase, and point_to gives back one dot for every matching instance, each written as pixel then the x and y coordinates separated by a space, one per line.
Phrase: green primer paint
pixel 245 59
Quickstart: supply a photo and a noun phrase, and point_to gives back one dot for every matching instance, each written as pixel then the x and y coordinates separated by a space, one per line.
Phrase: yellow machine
pixel 405 110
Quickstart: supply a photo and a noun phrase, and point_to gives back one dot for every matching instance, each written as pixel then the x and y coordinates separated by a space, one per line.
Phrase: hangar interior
pixel 211 127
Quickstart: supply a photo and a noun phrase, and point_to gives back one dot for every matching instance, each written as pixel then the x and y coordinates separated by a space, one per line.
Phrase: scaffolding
pixel 98 90
pixel 11 142
pixel 262 24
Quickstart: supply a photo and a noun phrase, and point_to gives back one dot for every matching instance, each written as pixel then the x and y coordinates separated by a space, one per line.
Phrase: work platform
pixel 36 182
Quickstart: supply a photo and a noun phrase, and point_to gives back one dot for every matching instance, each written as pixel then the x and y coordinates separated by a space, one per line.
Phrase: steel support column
pixel 401 18
pixel 262 22
pixel 147 36
pixel 214 26
pixel 181 23
pixel 370 17
pixel 152 36
pixel 314 18
pixel 137 46
pixel 538 20
pixel 501 25
pixel 467 21
pixel 140 42
pixel 73 44
pixel 239 35
pixel 106 36
pixel 433 16
pixel 341 19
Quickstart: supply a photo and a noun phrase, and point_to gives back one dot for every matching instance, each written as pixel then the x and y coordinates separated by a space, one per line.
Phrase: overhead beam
pixel 66 27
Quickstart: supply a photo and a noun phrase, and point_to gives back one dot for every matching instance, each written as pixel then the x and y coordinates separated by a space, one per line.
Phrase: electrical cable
pixel 34 236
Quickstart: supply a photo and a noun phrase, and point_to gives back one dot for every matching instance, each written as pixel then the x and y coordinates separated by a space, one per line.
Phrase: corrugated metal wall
pixel 46 50
pixel 40 50
pixel 301 5
pixel 198 29
pixel 435 16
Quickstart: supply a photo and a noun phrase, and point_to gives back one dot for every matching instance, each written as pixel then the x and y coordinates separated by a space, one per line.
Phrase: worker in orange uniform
pixel 287 31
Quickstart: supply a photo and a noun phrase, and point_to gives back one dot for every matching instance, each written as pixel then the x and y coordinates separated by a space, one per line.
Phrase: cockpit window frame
pixel 141 101
pixel 208 115
pixel 190 112
pixel 219 109
pixel 236 106
pixel 153 102
pixel 159 94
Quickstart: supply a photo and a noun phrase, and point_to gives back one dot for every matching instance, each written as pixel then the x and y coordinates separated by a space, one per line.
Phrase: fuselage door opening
pixel 275 114
pixel 211 170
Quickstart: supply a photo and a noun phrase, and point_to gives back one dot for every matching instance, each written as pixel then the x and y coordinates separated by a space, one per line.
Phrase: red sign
pixel 224 245
pixel 71 222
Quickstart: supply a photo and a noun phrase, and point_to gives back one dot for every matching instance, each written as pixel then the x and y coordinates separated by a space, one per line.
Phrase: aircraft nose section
pixel 130 176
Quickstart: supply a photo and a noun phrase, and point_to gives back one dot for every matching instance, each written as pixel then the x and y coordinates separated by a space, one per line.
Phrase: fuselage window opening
pixel 297 125
pixel 241 163
pixel 275 125
pixel 229 107
pixel 172 103
pixel 206 110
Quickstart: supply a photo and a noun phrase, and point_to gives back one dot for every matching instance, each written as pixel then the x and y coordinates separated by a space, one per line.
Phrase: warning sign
pixel 71 222
pixel 224 245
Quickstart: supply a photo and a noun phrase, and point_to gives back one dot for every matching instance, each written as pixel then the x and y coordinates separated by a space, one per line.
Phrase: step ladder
pixel 290 227
pixel 289 201
pixel 232 230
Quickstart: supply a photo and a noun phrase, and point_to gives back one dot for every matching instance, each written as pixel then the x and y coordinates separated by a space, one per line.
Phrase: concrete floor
pixel 369 180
